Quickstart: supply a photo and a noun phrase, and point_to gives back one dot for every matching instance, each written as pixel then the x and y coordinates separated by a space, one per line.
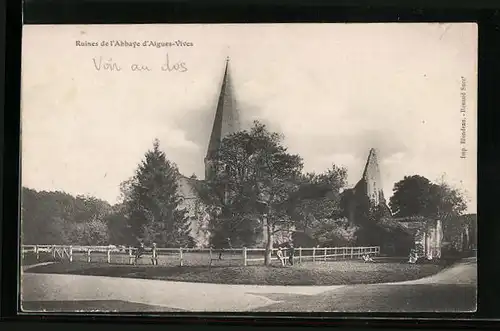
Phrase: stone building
pixel 226 122
pixel 366 206
pixel 371 181
pixel 427 234
pixel 367 193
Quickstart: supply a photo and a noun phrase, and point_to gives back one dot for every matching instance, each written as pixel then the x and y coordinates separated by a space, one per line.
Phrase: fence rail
pixel 190 256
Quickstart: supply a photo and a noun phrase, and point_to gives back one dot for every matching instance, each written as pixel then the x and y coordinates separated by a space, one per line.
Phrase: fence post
pixel 324 257
pixel 300 255
pixel 314 254
pixel 88 254
pixel 130 255
pixel 245 256
pixel 54 252
pixel 70 253
pixel 352 252
pixel 210 253
pixel 37 252
pixel 108 252
pixel 180 257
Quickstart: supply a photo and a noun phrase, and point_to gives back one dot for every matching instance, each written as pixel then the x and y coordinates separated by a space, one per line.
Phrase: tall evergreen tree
pixel 154 205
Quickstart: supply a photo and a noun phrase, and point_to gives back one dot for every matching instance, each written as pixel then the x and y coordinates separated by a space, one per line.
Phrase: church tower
pixel 372 178
pixel 226 121
pixel 369 186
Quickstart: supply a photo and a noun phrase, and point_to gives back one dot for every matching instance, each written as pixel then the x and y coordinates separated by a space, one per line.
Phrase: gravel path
pixel 179 295
pixel 241 298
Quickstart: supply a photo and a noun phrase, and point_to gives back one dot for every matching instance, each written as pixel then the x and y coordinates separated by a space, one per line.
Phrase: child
pixel 367 258
pixel 281 257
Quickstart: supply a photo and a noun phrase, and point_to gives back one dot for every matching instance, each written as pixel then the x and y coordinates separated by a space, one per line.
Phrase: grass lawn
pixel 30 259
pixel 168 260
pixel 318 273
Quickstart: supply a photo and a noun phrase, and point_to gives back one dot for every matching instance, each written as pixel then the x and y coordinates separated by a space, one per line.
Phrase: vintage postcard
pixel 249 168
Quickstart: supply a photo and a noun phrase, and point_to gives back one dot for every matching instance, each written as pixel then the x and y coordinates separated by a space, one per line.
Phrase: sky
pixel 333 90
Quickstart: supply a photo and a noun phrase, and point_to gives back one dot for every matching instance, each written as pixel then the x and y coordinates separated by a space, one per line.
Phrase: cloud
pixel 396 158
pixel 176 138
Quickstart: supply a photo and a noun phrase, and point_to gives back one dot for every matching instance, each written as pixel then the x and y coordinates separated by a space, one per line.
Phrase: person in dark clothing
pixel 139 252
pixel 292 253
pixel 228 240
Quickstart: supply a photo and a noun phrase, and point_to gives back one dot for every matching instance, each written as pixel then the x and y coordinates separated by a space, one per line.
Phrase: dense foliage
pixel 59 218
pixel 257 193
pixel 152 203
pixel 418 196
pixel 260 192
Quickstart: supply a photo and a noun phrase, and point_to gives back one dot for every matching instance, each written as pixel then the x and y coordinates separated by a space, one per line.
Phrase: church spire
pixel 226 119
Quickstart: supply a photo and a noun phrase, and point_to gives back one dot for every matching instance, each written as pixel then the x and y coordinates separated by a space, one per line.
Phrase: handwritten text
pixel 111 65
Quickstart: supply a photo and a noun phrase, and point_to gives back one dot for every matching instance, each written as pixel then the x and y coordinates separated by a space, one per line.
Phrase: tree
pixel 417 196
pixel 335 232
pixel 316 205
pixel 253 177
pixel 412 196
pixel 118 226
pixel 448 205
pixel 87 208
pixel 153 204
pixel 446 202
pixel 93 232
pixel 60 218
pixel 318 197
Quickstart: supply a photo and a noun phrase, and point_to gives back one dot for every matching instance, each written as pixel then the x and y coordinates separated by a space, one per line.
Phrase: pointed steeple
pixel 226 119
pixel 372 178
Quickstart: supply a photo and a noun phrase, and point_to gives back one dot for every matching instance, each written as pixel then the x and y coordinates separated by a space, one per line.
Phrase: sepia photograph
pixel 249 168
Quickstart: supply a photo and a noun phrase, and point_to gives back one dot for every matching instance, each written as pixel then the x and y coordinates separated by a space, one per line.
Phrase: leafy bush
pixel 336 233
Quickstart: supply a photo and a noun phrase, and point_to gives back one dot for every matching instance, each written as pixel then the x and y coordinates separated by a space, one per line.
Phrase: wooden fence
pixel 190 256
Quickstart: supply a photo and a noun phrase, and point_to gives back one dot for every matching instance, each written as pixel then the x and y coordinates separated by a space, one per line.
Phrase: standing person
pixel 281 257
pixel 228 241
pixel 292 253
pixel 139 252
pixel 154 255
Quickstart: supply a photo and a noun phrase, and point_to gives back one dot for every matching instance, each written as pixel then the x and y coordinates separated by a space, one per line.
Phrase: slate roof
pixel 227 119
